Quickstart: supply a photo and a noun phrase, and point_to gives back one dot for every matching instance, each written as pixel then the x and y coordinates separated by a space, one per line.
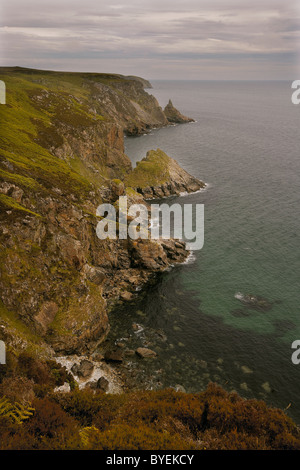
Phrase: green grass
pixel 11 204
pixel 151 171
pixel 27 119
pixel 42 108
pixel 17 327
pixel 19 180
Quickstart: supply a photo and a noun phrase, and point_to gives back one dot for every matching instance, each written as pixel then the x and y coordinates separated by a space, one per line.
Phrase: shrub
pixel 17 389
pixel 34 369
pixel 162 420
pixel 50 419
pixel 90 408
pixel 139 437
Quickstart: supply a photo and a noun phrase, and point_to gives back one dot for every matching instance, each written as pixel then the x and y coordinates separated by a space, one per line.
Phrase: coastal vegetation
pixel 62 154
pixel 33 416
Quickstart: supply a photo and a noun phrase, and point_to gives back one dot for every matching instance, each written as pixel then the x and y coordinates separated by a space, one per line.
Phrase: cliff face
pixel 62 154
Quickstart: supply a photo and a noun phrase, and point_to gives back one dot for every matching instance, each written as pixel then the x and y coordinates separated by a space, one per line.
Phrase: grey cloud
pixel 146 32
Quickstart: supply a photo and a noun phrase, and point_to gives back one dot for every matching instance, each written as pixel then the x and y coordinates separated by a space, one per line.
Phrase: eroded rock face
pixel 56 276
pixel 60 277
pixel 94 274
pixel 46 315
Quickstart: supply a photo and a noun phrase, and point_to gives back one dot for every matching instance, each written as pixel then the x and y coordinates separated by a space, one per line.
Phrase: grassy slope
pixel 32 166
pixel 151 171
pixel 37 103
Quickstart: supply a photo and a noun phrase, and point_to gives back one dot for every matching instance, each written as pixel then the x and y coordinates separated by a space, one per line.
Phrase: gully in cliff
pixel 134 222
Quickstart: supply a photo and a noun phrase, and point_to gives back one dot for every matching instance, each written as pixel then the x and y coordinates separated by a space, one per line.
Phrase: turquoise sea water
pixel 245 144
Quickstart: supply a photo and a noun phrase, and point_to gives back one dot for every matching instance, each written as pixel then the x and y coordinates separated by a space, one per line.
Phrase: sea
pixel 231 313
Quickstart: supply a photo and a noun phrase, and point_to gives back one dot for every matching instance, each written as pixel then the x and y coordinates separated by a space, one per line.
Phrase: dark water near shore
pixel 245 145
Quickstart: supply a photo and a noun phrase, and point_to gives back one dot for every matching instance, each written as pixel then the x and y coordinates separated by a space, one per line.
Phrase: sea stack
pixel 174 116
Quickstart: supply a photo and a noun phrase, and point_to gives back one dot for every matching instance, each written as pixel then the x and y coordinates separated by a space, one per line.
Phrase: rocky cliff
pixel 157 175
pixel 174 116
pixel 62 154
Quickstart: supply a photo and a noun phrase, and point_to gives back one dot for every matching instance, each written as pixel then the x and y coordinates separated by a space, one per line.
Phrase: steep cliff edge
pixel 62 154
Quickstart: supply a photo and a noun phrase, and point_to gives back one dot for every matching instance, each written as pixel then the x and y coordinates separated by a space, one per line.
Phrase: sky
pixel 156 39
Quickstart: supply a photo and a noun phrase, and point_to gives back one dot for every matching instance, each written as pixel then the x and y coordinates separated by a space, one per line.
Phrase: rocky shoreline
pixel 59 281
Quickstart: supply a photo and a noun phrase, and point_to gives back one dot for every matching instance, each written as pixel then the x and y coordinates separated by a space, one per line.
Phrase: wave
pixel 239 296
pixel 185 193
pixel 190 259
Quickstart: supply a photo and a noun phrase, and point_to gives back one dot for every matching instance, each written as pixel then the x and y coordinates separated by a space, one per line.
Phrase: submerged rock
pixel 244 386
pixel 266 387
pixel 255 302
pixel 240 312
pixel 246 370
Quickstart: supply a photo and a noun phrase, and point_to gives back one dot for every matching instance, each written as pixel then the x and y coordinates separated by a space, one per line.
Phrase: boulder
pixel 127 296
pixel 129 352
pixel 102 384
pixel 145 353
pixel 114 355
pixel 84 369
pixel 94 274
pixel 117 187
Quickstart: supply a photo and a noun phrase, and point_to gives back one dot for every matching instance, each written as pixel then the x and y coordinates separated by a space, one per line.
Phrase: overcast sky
pixel 167 39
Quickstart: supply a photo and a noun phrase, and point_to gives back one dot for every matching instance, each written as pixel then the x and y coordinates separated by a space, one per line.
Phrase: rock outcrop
pixel 174 116
pixel 158 175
